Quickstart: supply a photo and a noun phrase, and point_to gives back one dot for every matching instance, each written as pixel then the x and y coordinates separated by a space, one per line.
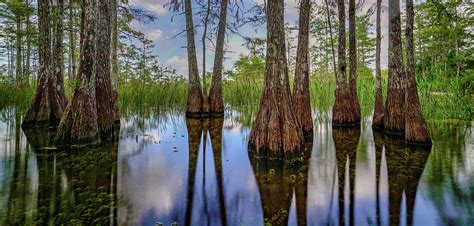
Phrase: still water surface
pixel 198 172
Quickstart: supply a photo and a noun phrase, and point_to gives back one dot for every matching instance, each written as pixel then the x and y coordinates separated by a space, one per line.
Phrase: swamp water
pixel 169 169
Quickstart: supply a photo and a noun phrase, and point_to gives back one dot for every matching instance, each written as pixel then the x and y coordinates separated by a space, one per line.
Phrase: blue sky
pixel 171 50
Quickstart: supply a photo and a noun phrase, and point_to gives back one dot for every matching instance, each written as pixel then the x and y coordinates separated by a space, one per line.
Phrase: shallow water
pixel 171 169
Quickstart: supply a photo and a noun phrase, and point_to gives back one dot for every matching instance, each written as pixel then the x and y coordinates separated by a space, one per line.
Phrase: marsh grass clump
pixel 136 95
pixel 12 95
pixel 447 98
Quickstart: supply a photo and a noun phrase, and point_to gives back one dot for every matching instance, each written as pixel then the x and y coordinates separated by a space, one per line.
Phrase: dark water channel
pixel 170 169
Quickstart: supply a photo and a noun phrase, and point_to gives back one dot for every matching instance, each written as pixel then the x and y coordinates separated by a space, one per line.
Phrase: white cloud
pixel 155 35
pixel 180 63
pixel 234 48
pixel 156 6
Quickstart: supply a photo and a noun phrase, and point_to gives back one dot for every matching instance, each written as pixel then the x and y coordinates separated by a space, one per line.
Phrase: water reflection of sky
pixel 159 180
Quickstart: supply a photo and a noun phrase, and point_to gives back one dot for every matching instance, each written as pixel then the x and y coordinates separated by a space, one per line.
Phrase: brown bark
pixel 79 122
pixel 377 119
pixel 105 104
pixel 56 90
pixel 345 111
pixel 301 95
pixel 114 60
pixel 394 118
pixel 354 100
pixel 216 101
pixel 415 125
pixel 205 98
pixel 331 37
pixel 72 44
pixel 276 132
pixel 40 111
pixel 195 99
pixel 27 69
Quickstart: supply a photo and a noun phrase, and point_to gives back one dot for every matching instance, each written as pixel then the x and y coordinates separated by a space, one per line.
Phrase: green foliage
pixel 321 45
pixel 17 31
pixel 365 40
pixel 364 72
pixel 74 84
pixel 248 68
pixel 443 37
pixel 447 98
pixel 12 95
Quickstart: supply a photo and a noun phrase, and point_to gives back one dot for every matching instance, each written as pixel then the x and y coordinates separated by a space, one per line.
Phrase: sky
pixel 171 47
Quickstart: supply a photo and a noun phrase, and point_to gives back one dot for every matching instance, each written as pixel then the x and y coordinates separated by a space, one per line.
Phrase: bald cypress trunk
pixel 79 122
pixel 41 110
pixel 194 102
pixel 114 60
pixel 56 91
pixel 301 97
pixel 216 102
pixel 394 118
pixel 276 132
pixel 205 98
pixel 415 125
pixel 345 111
pixel 105 104
pixel 377 120
pixel 354 100
pixel 72 43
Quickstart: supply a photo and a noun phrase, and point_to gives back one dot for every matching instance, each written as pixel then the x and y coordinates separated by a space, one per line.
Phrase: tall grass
pixel 12 95
pixel 441 99
pixel 152 97
pixel 447 98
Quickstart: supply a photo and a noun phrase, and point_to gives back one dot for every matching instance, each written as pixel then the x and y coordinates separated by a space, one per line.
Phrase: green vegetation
pixel 11 95
pixel 441 98
pixel 443 54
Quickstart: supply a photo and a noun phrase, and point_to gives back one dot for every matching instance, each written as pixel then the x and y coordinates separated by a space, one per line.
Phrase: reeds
pixel 446 98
